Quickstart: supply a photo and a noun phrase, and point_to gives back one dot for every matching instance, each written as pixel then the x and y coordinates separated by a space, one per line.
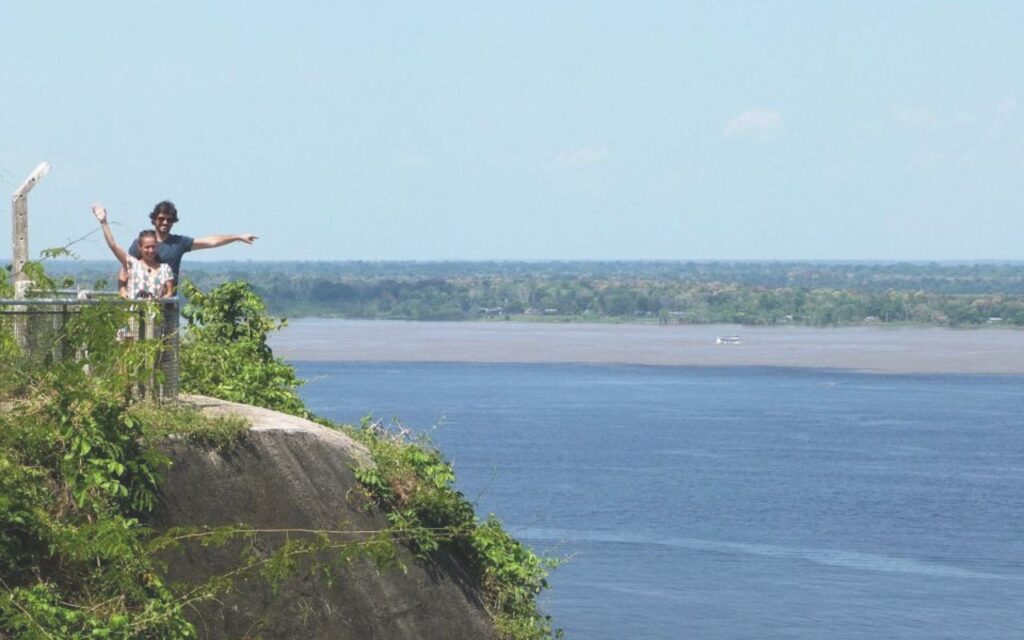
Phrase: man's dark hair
pixel 165 207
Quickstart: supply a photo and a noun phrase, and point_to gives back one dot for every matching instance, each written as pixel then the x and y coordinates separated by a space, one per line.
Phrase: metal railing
pixel 35 330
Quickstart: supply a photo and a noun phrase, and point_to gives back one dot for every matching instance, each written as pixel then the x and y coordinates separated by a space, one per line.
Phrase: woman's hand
pixel 100 212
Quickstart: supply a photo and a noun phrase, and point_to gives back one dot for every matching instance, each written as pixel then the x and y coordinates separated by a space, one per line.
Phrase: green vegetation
pixel 413 483
pixel 761 293
pixel 689 293
pixel 183 421
pixel 79 471
pixel 225 353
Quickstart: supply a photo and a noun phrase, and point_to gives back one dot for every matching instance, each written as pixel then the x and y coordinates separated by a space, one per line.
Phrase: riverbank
pixel 872 349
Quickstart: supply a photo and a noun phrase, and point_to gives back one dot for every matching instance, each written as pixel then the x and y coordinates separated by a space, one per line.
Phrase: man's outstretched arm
pixel 211 242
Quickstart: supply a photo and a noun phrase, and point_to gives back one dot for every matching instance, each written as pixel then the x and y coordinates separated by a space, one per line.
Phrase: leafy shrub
pixel 225 354
pixel 75 473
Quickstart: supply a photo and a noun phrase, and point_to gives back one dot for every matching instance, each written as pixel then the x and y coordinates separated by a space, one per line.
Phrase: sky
pixel 772 130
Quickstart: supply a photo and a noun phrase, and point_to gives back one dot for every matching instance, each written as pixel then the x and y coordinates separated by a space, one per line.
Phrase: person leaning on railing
pixel 147 277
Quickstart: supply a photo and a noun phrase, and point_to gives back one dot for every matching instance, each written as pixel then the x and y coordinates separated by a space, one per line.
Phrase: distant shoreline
pixel 868 349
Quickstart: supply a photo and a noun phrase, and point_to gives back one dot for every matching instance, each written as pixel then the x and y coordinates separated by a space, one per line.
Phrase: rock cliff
pixel 290 473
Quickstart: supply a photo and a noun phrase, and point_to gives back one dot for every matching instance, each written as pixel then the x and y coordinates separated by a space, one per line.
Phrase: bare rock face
pixel 294 474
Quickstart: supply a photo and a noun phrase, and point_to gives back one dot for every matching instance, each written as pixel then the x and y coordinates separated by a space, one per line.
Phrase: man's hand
pixel 248 238
pixel 100 212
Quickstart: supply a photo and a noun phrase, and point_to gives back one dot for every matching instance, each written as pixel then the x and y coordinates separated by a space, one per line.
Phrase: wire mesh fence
pixel 34 334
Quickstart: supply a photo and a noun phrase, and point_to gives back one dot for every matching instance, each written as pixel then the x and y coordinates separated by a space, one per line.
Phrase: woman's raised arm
pixel 101 214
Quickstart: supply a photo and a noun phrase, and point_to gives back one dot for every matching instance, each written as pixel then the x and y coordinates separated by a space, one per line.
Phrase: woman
pixel 147 277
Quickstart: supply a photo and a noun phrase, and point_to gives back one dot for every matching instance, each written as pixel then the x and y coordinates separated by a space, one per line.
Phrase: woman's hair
pixel 165 207
pixel 148 233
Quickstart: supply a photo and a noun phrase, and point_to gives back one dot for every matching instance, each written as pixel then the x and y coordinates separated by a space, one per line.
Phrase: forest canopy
pixel 761 293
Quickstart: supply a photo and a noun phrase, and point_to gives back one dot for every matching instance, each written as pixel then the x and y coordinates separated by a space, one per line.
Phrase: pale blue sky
pixel 526 130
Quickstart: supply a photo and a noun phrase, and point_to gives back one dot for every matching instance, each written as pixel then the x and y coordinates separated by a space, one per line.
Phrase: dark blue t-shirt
pixel 169 251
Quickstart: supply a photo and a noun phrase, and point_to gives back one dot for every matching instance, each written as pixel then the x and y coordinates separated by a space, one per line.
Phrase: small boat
pixel 728 340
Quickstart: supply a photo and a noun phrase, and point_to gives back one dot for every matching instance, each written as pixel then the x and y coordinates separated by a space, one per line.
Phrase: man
pixel 173 247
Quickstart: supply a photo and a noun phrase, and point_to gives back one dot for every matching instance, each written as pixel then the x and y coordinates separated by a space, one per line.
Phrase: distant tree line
pixel 763 293
pixel 595 299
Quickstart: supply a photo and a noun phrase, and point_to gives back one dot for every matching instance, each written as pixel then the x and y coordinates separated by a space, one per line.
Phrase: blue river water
pixel 733 502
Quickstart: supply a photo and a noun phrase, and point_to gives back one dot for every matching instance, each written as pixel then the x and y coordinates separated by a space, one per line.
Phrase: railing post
pixel 60 323
pixel 167 357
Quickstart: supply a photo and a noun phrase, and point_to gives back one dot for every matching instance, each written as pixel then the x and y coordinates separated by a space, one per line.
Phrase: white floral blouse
pixel 146 283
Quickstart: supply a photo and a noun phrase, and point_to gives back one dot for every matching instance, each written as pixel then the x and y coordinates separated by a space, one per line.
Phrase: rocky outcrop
pixel 290 473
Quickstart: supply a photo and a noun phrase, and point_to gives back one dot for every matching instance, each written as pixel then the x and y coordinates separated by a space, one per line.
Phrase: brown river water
pixel 873 349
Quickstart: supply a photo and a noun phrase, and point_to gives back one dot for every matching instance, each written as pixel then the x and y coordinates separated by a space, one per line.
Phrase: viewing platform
pixel 34 331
